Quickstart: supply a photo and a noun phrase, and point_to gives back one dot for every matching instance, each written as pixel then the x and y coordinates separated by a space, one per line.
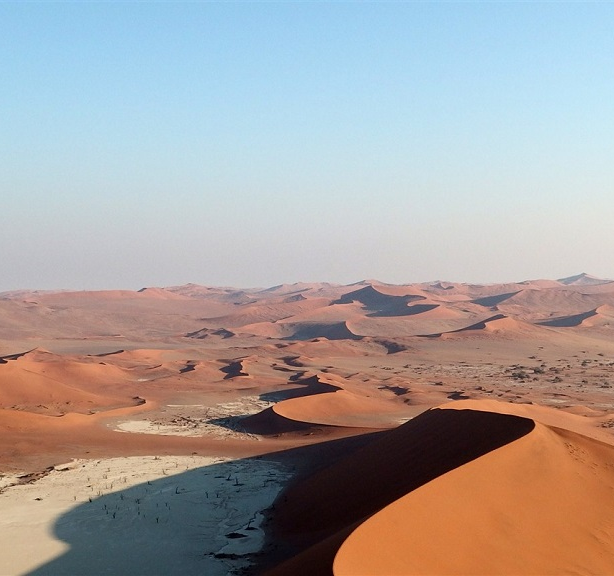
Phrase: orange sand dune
pixel 536 506
pixel 331 331
pixel 451 290
pixel 319 512
pixel 161 294
pixel 600 316
pixel 580 420
pixel 374 288
pixel 534 304
pixel 341 408
pixel 210 332
pixel 303 330
pixel 265 312
pixel 336 348
pixel 500 325
pixel 35 388
pixel 379 300
pixel 441 318
pixel 318 289
pixel 461 489
pixel 489 301
pixel 328 313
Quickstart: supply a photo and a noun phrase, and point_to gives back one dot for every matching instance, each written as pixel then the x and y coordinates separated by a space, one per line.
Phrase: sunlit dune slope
pixel 59 387
pixel 340 408
pixel 497 325
pixel 539 505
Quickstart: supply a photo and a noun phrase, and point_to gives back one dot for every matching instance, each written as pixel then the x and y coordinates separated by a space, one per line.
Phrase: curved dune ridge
pixel 489 301
pixel 512 511
pixel 386 301
pixel 304 330
pixel 340 408
pixel 498 324
pixel 599 316
pixel 461 489
pixel 321 511
pixel 321 401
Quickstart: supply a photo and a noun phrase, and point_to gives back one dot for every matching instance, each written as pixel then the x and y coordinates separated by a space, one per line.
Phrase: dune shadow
pixel 568 321
pixel 402 310
pixel 330 331
pixel 490 301
pixel 306 387
pixel 204 520
pixel 233 370
pixel 319 511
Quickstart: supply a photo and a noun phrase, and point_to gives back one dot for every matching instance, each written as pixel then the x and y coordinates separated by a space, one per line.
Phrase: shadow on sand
pixel 205 520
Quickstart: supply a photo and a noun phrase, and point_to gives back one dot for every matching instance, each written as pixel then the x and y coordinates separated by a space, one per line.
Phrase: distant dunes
pixel 333 331
pixel 499 324
pixel 306 311
pixel 601 315
pixel 56 386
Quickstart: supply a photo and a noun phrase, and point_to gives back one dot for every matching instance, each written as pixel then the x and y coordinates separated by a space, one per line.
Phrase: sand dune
pixel 333 331
pixel 303 330
pixel 341 408
pixel 600 316
pixel 206 332
pixel 583 280
pixel 461 491
pixel 377 300
pixel 489 301
pixel 512 511
pixel 56 388
pixel 321 511
pixel 499 324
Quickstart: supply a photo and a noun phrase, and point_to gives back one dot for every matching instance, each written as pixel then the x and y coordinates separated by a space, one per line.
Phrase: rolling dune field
pixel 435 428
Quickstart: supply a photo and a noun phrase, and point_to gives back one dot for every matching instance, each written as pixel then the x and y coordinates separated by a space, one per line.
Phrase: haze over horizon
pixel 253 144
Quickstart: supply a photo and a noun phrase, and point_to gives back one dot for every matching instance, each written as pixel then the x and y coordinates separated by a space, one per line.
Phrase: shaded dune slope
pixel 600 315
pixel 320 511
pixel 489 301
pixel 332 331
pixel 497 324
pixel 381 304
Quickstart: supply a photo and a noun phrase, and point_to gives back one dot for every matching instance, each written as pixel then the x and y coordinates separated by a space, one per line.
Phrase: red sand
pixel 513 477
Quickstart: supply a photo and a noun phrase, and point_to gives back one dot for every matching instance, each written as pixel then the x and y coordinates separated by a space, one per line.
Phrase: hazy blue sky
pixel 249 144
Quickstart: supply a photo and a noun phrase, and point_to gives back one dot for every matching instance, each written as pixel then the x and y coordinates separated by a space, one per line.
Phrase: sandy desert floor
pixel 309 429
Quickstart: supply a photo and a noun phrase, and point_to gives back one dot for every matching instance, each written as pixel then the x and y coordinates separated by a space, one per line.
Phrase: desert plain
pixel 310 428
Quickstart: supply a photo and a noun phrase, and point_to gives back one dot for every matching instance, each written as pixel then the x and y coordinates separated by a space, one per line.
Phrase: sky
pixel 257 143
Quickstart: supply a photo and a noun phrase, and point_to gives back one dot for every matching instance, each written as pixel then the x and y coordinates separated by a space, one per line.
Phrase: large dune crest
pixel 327 506
pixel 534 506
pixel 462 489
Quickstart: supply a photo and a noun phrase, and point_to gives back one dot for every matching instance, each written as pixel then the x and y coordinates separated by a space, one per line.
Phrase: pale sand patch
pixel 220 420
pixel 138 515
